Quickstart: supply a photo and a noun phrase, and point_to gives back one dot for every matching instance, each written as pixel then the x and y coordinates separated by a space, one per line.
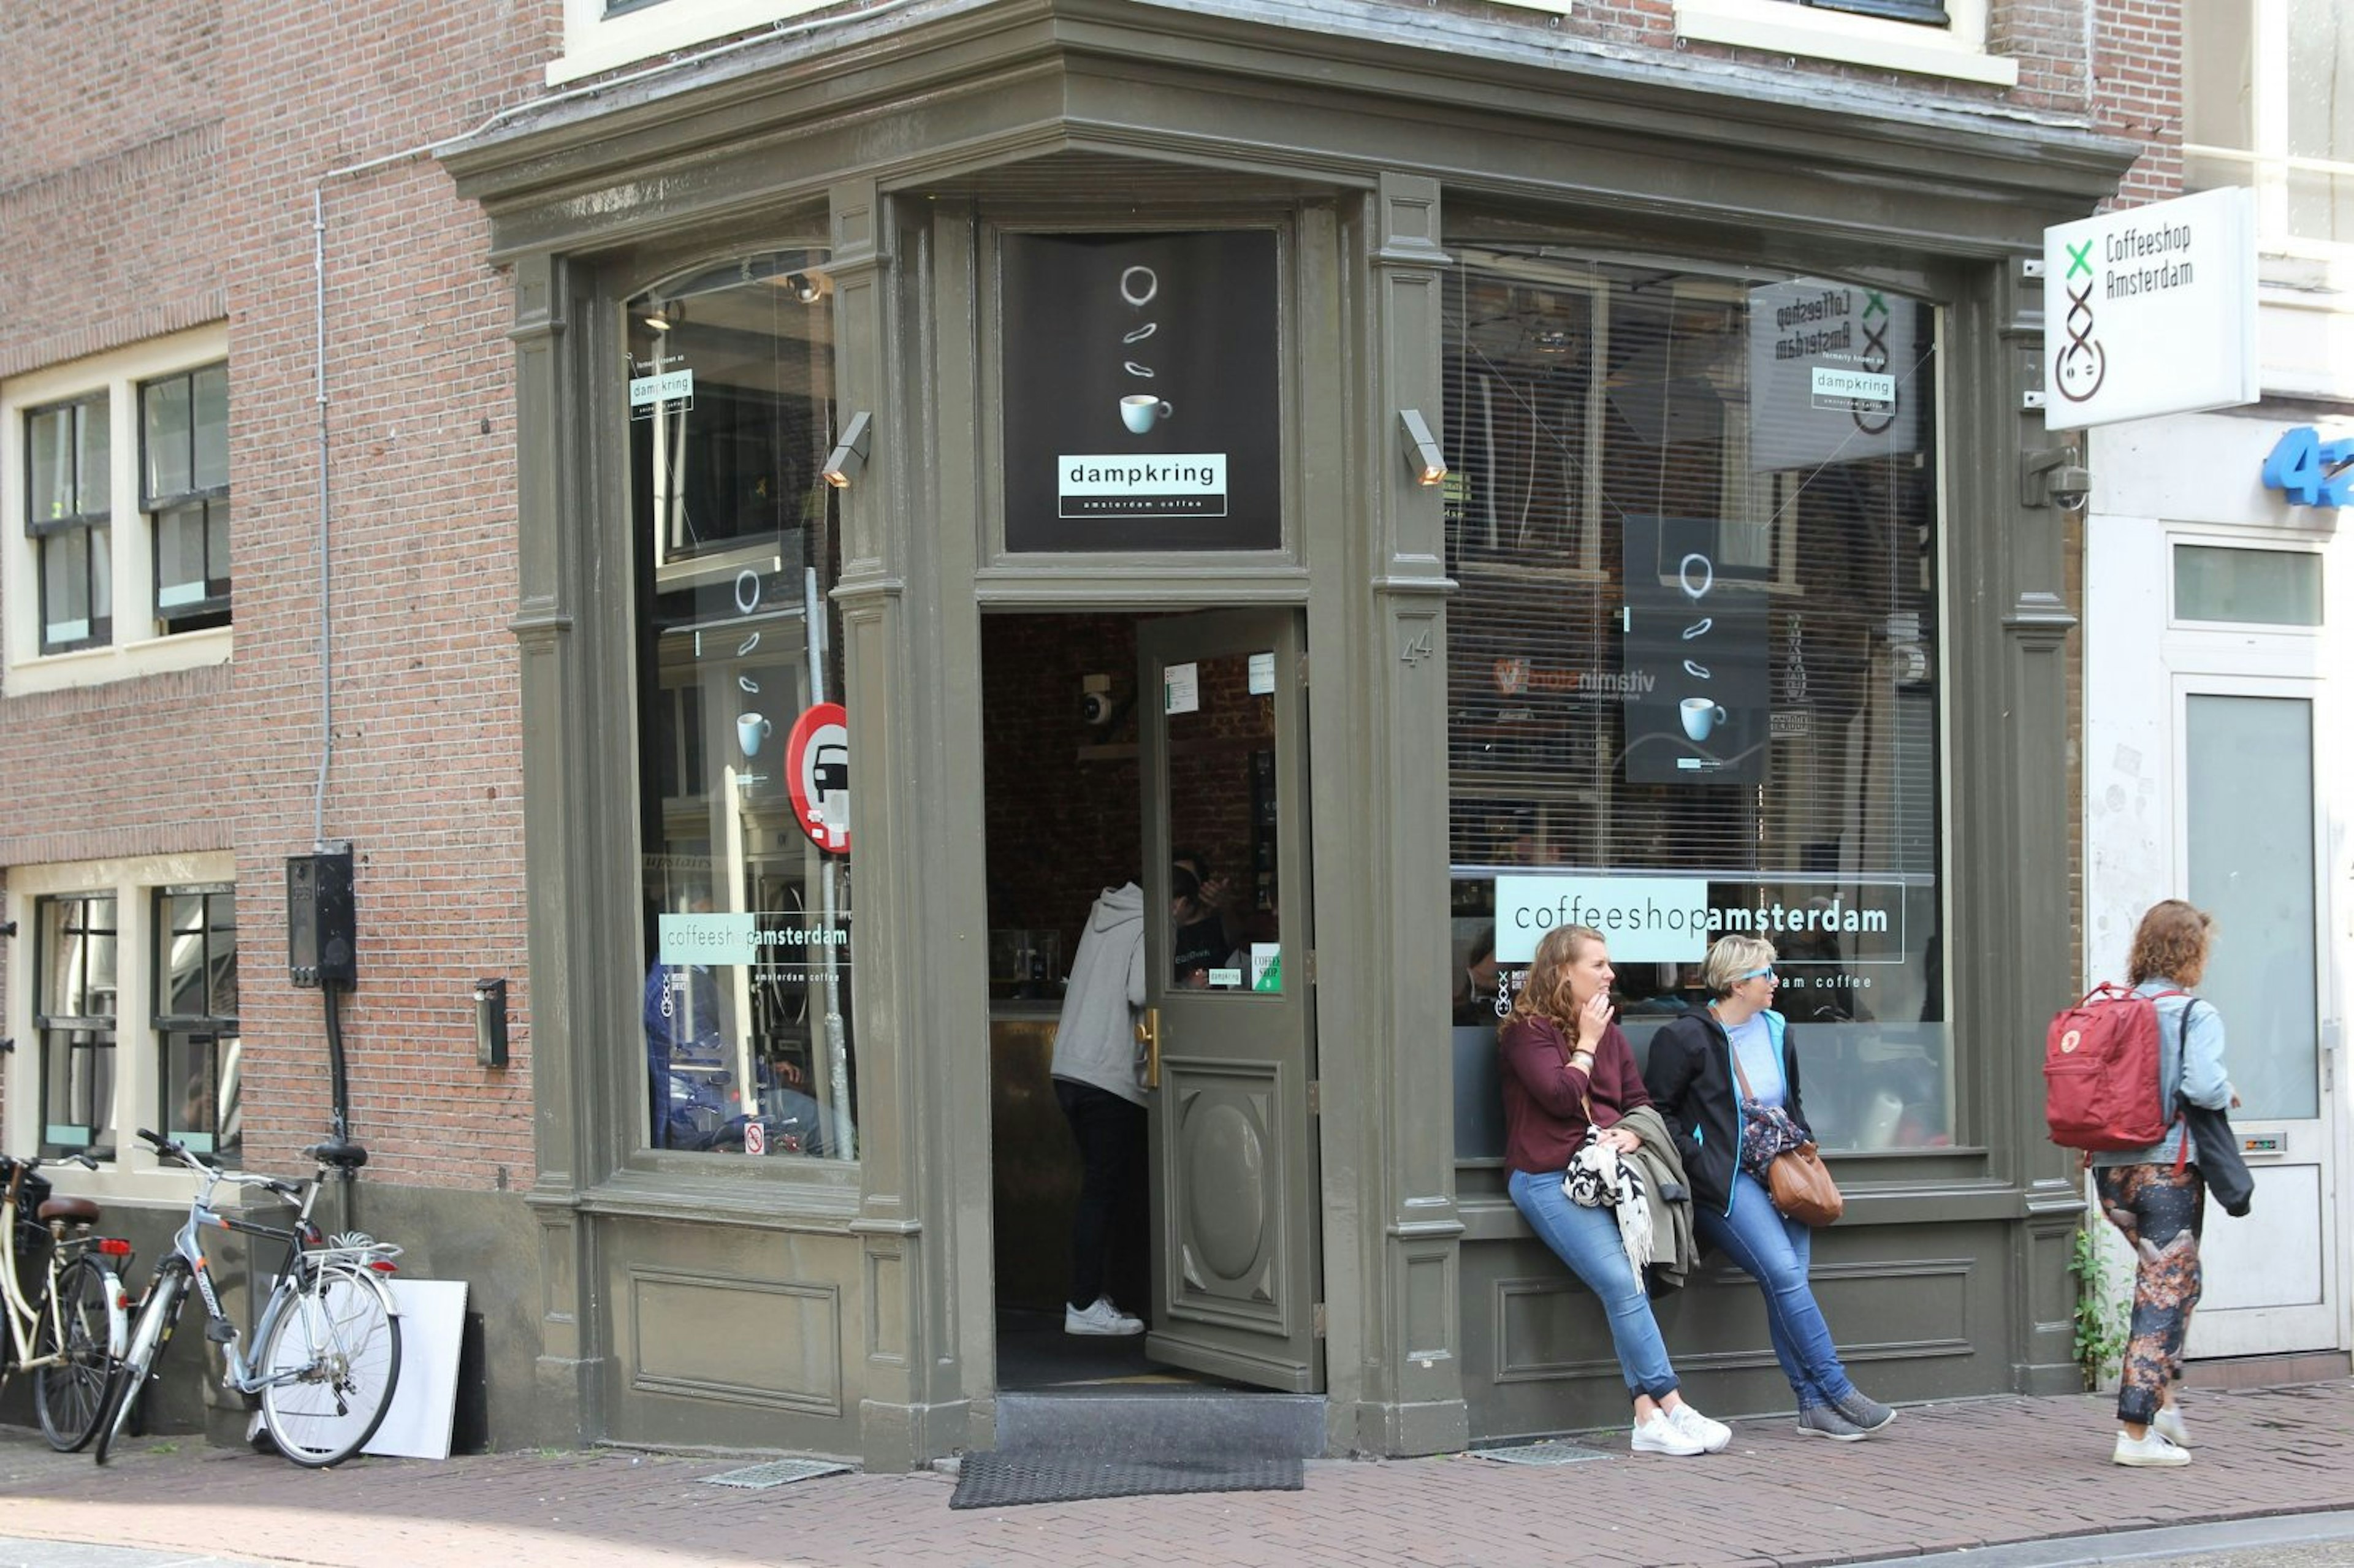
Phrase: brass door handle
pixel 1148 1034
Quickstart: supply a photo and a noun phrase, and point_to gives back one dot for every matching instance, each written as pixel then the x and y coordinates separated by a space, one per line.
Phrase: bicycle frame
pixel 24 1315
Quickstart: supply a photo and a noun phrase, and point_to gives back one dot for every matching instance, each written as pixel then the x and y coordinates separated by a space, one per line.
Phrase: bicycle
pixel 69 1333
pixel 329 1335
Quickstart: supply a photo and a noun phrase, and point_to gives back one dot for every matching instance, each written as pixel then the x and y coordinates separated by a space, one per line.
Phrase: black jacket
pixel 1689 1076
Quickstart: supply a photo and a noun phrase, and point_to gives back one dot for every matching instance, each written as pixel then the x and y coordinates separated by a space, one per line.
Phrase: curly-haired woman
pixel 1566 1066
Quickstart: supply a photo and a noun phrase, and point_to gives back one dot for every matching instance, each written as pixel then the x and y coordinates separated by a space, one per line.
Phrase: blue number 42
pixel 2309 471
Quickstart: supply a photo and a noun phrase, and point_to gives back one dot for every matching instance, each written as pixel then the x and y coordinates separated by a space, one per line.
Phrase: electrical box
pixel 320 931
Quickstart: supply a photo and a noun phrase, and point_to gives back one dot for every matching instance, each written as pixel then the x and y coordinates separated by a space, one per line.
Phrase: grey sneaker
pixel 1822 1421
pixel 1863 1414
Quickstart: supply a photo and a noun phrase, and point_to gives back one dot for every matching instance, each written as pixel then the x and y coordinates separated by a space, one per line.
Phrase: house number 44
pixel 2309 471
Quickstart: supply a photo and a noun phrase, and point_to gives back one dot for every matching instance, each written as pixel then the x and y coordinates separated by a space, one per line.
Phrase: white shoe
pixel 2151 1449
pixel 1660 1435
pixel 2167 1423
pixel 1101 1318
pixel 1712 1436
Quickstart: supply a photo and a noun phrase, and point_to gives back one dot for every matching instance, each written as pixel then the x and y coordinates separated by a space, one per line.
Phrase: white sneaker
pixel 2167 1423
pixel 2149 1450
pixel 1102 1318
pixel 1712 1436
pixel 1662 1435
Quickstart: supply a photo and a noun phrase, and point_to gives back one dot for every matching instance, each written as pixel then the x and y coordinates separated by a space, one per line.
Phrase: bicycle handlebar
pixel 180 1152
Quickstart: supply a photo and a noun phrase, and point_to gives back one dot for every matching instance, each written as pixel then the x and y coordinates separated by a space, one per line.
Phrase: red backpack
pixel 2100 1072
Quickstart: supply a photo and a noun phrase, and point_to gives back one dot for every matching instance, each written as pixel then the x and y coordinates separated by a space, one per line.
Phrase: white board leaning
pixel 2150 310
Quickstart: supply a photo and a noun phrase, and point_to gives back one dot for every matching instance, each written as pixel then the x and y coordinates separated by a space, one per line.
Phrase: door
pixel 2251 853
pixel 1236 1224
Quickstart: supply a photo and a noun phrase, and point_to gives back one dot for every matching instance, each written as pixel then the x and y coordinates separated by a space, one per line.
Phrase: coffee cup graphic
pixel 1140 410
pixel 1700 715
pixel 751 729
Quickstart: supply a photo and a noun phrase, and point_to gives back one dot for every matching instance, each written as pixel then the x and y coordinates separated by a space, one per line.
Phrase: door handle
pixel 1148 1034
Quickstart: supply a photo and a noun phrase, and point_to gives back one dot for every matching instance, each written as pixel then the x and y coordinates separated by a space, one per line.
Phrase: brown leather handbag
pixel 1796 1180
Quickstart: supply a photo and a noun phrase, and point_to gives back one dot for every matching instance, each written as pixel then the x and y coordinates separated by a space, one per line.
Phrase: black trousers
pixel 1109 1236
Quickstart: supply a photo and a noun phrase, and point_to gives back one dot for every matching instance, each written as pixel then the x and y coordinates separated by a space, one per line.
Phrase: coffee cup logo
pixel 1700 715
pixel 1140 410
pixel 751 729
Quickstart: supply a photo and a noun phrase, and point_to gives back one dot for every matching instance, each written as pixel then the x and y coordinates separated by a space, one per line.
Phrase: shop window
pixel 115 515
pixel 744 785
pixel 2261 108
pixel 196 1028
pixel 184 492
pixel 1692 664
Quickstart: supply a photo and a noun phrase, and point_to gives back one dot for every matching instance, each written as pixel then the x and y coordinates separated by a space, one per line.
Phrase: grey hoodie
pixel 1096 1042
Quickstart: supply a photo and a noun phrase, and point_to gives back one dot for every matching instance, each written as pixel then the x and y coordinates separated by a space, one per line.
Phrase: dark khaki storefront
pixel 1400 174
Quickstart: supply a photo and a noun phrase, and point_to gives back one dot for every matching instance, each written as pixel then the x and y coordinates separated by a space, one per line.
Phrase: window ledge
pixel 1779 28
pixel 126 662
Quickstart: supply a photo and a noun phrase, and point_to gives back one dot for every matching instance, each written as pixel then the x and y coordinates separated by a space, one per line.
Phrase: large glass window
pixel 184 491
pixel 2261 107
pixel 196 1035
pixel 75 1012
pixel 744 789
pixel 1692 664
pixel 68 510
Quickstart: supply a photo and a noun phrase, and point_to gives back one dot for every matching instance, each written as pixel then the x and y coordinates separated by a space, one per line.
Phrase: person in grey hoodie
pixel 1100 1083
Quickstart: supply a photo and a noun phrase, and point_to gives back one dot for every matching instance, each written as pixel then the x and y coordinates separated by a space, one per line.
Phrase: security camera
pixel 1095 708
pixel 2070 487
pixel 2054 476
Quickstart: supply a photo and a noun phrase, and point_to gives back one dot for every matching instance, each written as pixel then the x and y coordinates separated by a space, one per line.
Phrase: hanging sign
pixel 817 772
pixel 2150 310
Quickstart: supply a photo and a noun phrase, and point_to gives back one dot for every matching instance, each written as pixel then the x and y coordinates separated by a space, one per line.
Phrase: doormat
pixel 1554 1453
pixel 776 1473
pixel 1000 1480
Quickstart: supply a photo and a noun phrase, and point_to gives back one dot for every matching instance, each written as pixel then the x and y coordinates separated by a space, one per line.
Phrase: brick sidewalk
pixel 1968 1473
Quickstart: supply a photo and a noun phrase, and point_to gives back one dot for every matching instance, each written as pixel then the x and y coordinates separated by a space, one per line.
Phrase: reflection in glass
pixel 2266 587
pixel 76 1002
pixel 196 1017
pixel 1694 659
pixel 746 1005
pixel 1225 925
pixel 2249 806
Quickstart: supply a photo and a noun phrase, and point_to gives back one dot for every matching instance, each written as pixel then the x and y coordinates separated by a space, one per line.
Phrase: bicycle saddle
pixel 71 1210
pixel 341 1152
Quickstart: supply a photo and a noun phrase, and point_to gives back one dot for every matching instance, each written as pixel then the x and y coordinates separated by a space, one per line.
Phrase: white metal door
pixel 2252 850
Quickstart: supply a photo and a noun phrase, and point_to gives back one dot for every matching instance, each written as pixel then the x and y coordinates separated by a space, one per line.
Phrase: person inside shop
pixel 1705 1068
pixel 1098 1075
pixel 1197 932
pixel 1475 994
pixel 1566 1067
pixel 1214 895
pixel 2155 1196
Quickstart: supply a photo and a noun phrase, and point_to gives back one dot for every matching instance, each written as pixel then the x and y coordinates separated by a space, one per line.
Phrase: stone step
pixel 1214 1421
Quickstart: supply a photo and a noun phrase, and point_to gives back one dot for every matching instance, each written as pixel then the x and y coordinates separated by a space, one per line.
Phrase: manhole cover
pixel 1542 1453
pixel 776 1473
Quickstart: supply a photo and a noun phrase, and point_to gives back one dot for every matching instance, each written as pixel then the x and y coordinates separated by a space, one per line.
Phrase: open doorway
pixel 1191 802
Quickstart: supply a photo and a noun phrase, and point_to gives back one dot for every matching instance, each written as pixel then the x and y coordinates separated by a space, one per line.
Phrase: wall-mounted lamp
pixel 849 456
pixel 1423 457
pixel 660 316
pixel 809 288
pixel 2054 477
pixel 491 1023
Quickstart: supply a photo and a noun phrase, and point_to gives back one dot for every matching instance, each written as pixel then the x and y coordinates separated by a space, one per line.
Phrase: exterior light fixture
pixel 848 455
pixel 660 316
pixel 809 288
pixel 1423 457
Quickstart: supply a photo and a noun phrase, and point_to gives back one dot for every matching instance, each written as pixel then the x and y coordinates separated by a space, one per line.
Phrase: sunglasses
pixel 1754 974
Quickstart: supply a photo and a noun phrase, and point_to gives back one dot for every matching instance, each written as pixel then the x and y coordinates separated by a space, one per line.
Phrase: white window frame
pixel 134 1174
pixel 595 42
pixel 1957 51
pixel 136 648
pixel 2266 166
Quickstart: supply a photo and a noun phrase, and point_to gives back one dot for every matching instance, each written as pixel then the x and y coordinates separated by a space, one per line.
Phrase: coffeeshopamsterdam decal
pixel 1141 407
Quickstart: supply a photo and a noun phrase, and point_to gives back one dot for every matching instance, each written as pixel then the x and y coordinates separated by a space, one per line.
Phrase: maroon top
pixel 1544 1097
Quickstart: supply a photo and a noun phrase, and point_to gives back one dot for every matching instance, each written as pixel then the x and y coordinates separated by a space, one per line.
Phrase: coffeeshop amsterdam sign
pixel 2150 310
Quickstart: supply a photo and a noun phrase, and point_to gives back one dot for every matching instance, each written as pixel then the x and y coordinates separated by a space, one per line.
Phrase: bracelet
pixel 1573 1056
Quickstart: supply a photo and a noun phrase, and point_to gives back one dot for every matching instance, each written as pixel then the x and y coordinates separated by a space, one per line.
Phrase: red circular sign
pixel 817 771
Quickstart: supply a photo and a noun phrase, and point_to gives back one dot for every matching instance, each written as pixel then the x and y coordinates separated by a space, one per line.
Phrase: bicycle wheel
pixel 127 1379
pixel 70 1394
pixel 332 1357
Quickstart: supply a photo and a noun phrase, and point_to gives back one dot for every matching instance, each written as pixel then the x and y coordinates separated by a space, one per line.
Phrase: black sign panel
pixel 1696 682
pixel 1141 381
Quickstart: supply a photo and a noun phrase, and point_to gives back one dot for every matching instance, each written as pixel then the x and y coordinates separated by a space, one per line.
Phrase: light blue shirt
pixel 1752 1042
pixel 2203 1078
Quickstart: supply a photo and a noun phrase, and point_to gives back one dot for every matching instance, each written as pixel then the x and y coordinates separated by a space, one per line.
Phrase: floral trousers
pixel 2160 1211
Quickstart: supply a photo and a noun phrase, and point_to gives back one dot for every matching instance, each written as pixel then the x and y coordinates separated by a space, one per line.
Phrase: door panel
pixel 2250 853
pixel 1234 1217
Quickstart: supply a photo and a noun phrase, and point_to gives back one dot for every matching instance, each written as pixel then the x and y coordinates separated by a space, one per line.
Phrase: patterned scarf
pixel 1598 1178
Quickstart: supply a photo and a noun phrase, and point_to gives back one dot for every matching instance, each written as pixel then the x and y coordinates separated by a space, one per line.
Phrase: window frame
pixel 133 1174
pixel 133 646
pixel 214 1027
pixel 211 606
pixel 1813 29
pixel 2266 165
pixel 603 35
pixel 84 1034
pixel 83 523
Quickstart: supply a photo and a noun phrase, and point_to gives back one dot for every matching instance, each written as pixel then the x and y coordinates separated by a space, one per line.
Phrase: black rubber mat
pixel 1001 1480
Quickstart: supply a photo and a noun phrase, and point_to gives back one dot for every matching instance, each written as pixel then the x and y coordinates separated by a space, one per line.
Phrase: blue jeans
pixel 1587 1240
pixel 1775 1252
